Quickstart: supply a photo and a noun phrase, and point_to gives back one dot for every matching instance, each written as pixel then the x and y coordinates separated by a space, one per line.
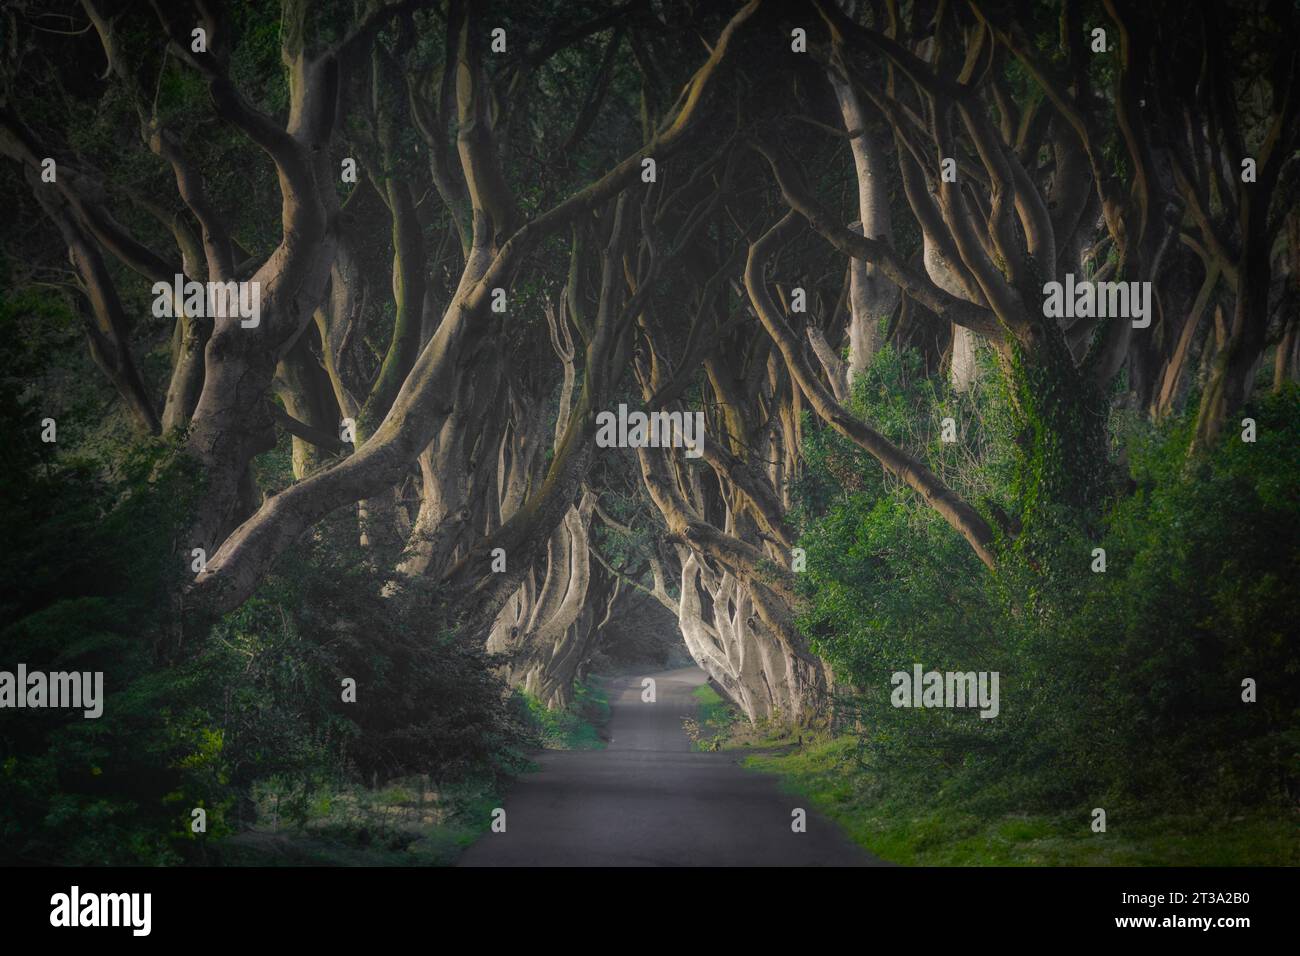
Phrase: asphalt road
pixel 649 800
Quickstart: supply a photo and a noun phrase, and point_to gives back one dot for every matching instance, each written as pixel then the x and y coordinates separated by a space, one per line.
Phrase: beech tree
pixel 477 251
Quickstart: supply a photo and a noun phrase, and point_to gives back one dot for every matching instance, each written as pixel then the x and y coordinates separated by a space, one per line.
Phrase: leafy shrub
pixel 195 719
pixel 1124 685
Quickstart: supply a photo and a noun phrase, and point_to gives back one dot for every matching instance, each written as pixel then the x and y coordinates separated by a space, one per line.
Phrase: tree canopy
pixel 848 235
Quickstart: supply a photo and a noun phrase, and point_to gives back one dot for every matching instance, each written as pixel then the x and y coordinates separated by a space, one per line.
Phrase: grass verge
pixel 580 726
pixel 717 721
pixel 408 822
pixel 909 830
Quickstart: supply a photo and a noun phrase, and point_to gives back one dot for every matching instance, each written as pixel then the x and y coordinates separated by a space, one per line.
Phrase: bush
pixel 1124 686
pixel 197 726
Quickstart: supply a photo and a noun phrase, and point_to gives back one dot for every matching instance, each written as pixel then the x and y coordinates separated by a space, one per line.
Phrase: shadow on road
pixel 650 800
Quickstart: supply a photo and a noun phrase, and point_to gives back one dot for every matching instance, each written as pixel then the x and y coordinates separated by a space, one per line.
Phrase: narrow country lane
pixel 649 800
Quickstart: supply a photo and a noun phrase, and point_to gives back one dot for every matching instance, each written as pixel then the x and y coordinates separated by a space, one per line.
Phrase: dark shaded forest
pixel 314 313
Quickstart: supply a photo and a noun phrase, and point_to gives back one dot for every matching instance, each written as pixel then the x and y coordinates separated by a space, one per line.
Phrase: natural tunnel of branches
pixel 474 230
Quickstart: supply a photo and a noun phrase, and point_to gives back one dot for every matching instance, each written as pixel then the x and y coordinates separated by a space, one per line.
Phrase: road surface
pixel 649 800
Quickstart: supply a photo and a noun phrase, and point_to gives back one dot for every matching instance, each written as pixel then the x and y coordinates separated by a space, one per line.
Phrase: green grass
pixel 407 823
pixel 716 722
pixel 906 831
pixel 721 726
pixel 576 728
pixel 713 709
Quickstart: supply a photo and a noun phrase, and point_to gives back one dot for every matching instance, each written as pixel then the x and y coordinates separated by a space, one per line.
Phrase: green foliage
pixel 716 721
pixel 259 697
pixel 902 829
pixel 1117 688
pixel 409 822
pixel 576 727
pixel 196 719
pixel 87 593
